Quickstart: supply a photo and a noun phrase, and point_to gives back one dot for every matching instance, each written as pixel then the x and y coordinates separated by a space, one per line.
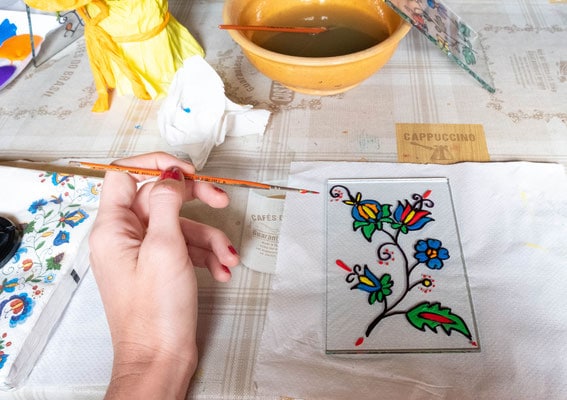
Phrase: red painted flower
pixel 408 218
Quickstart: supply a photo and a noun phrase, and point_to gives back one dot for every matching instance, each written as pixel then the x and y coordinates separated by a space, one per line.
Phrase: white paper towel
pixel 513 224
pixel 197 116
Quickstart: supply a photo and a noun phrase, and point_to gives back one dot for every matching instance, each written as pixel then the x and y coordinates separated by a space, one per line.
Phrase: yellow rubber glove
pixel 134 46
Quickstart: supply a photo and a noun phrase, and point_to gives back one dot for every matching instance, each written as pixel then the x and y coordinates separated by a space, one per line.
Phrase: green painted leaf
pixel 49 213
pixel 358 224
pixel 372 298
pixel 29 227
pixel 368 231
pixel 433 315
pixel 70 186
pixel 40 245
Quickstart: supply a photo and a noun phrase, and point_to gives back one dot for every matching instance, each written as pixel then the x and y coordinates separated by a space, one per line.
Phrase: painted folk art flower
pixel 431 253
pixel 368 215
pixel 409 217
pixel 372 217
pixel 377 288
pixel 16 308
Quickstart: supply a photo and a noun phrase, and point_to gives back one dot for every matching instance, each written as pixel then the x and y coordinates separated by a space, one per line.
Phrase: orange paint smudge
pixel 18 47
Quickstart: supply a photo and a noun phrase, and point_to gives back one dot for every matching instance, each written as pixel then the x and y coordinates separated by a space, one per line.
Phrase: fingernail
pixel 218 189
pixel 225 269
pixel 171 173
pixel 233 250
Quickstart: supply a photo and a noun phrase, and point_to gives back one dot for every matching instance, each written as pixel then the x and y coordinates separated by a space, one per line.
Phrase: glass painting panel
pixel 450 33
pixel 396 278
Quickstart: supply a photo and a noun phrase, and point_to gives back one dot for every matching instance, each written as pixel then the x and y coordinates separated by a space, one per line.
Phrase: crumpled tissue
pixel 198 116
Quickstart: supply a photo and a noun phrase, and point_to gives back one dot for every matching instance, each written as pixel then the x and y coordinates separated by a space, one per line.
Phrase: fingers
pixel 210 194
pixel 156 206
pixel 120 189
pixel 204 258
pixel 163 242
pixel 204 191
pixel 209 247
pixel 158 160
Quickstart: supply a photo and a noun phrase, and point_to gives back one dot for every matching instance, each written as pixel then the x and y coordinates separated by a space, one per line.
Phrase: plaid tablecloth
pixel 45 115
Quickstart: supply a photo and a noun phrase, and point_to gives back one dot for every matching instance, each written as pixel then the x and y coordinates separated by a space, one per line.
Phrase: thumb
pixel 165 201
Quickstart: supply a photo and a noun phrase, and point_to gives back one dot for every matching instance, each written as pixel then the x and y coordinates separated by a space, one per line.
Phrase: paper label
pixel 441 143
pixel 264 214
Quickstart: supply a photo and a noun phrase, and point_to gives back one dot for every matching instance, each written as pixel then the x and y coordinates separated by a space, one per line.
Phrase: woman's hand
pixel 143 256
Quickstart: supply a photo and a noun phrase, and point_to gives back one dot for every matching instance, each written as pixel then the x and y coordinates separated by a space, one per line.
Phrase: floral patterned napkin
pixel 55 212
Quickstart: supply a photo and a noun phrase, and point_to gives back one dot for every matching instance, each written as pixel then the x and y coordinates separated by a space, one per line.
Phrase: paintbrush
pixel 192 177
pixel 292 29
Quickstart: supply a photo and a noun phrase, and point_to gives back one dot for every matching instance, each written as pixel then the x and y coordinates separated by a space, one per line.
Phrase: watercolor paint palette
pixel 396 277
pixel 450 33
pixel 50 34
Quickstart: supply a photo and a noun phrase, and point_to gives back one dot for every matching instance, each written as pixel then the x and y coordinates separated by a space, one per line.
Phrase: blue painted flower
pixel 56 200
pixel 36 205
pixel 73 218
pixel 365 210
pixel 431 253
pixel 49 278
pixel 58 179
pixel 9 286
pixel 368 215
pixel 377 289
pixel 19 253
pixel 91 192
pixel 61 238
pixel 17 308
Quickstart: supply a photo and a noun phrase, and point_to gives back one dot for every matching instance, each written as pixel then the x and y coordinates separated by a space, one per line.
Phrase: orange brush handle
pixel 192 177
pixel 156 172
